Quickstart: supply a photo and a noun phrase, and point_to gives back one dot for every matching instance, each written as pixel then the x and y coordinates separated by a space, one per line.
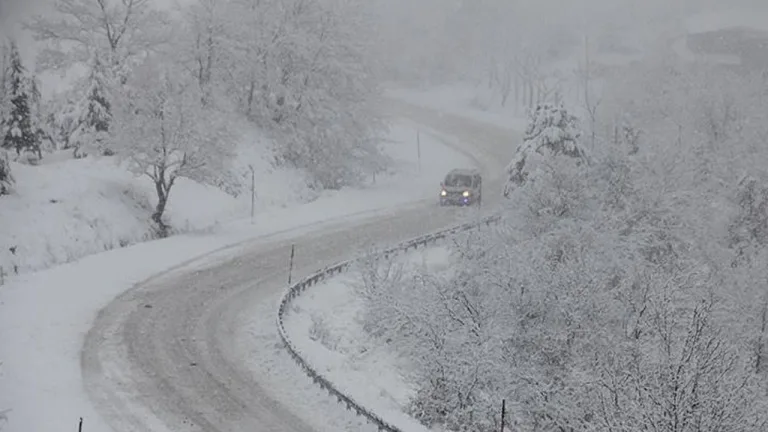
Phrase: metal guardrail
pixel 295 290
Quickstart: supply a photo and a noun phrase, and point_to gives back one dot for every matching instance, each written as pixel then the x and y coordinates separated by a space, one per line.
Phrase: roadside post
pixel 290 263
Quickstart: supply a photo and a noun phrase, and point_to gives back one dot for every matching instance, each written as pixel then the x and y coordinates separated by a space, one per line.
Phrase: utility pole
pixel 290 264
pixel 418 147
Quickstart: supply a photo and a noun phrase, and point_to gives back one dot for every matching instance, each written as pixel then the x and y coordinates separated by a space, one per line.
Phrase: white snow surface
pixel 45 315
pixel 326 325
pixel 465 100
pixel 483 105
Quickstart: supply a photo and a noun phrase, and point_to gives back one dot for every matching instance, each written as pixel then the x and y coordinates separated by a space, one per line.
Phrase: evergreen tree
pixel 18 123
pixel 552 131
pixel 35 103
pixel 36 115
pixel 4 70
pixel 96 115
pixel 6 178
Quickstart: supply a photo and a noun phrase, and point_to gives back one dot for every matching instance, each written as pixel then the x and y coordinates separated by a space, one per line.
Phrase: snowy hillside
pixel 65 209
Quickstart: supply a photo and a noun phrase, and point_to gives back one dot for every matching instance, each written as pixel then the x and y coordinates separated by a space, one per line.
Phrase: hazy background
pixel 425 42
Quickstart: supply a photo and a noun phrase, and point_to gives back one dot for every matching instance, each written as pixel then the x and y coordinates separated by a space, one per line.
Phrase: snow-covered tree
pixel 6 176
pixel 39 124
pixel 302 71
pixel 119 31
pixel 681 374
pixel 551 132
pixel 749 229
pixel 4 73
pixel 64 115
pixel 92 132
pixel 202 47
pixel 18 134
pixel 162 131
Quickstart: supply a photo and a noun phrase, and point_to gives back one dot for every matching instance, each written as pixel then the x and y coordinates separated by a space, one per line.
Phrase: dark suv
pixel 462 187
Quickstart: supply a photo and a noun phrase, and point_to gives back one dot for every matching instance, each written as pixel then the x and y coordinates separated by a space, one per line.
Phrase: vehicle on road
pixel 463 187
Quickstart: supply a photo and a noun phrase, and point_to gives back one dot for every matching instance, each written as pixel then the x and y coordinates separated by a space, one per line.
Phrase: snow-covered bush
pixel 381 287
pixel 91 135
pixel 320 332
pixel 749 230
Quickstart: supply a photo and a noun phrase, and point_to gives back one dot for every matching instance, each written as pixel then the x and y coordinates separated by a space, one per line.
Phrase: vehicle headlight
pixel 443 193
pixel 466 193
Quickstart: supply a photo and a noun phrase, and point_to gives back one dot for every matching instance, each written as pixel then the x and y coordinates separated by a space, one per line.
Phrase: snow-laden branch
pixel 117 30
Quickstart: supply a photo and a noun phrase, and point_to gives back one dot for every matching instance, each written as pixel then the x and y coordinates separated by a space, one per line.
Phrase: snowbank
pixel 326 325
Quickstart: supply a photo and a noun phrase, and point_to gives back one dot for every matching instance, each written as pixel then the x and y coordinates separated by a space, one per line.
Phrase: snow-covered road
pixel 196 349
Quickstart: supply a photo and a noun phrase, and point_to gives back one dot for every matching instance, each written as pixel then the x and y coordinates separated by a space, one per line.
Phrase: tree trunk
pixel 162 201
pixel 506 85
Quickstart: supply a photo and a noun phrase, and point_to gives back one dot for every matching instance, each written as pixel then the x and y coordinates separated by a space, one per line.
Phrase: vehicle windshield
pixel 458 180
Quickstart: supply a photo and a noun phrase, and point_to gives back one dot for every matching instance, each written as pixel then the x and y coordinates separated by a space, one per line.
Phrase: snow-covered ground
pixel 65 209
pixel 45 315
pixel 326 325
pixel 481 104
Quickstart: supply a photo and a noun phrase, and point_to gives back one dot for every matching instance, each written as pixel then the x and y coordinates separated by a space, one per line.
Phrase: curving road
pixel 196 348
